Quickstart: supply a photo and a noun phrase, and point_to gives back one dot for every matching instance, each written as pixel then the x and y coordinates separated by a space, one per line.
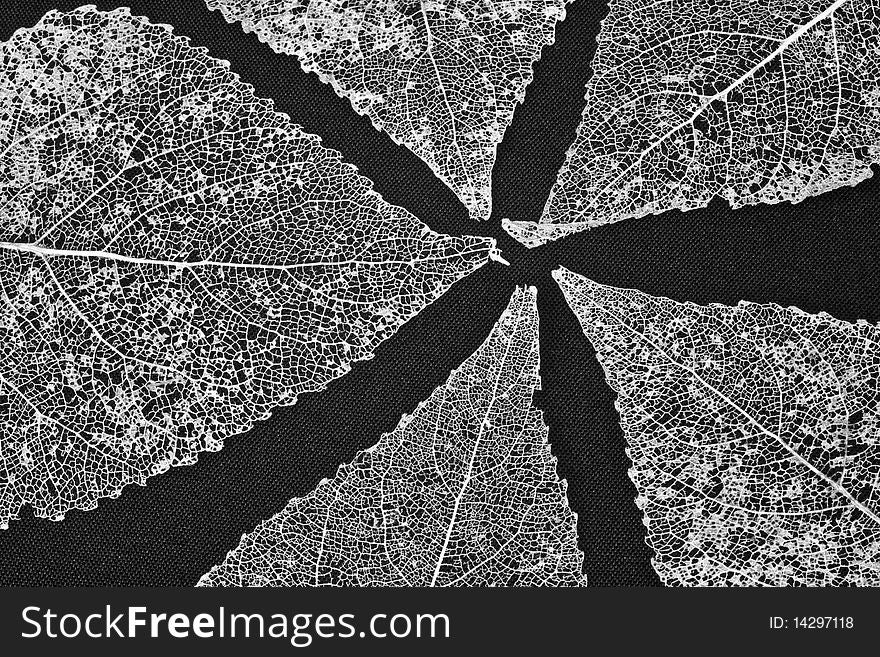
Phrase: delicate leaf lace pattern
pixel 464 492
pixel 753 432
pixel 177 259
pixel 442 78
pixel 752 102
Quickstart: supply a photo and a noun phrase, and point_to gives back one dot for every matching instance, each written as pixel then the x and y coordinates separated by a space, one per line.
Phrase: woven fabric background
pixel 818 255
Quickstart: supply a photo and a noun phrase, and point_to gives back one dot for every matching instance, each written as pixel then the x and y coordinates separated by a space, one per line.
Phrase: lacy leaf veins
pixel 442 78
pixel 750 102
pixel 464 492
pixel 753 432
pixel 177 259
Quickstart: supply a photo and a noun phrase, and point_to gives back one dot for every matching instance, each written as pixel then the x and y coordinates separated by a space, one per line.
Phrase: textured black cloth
pixel 818 255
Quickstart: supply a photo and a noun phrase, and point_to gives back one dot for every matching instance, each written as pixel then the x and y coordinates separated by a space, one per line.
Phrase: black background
pixel 818 255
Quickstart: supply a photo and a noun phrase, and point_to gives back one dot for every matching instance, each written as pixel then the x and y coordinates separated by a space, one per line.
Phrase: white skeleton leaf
pixel 753 433
pixel 440 77
pixel 177 259
pixel 750 102
pixel 464 492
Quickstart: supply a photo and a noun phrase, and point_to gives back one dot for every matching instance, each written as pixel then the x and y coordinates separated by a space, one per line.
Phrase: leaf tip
pixel 532 234
pixel 495 254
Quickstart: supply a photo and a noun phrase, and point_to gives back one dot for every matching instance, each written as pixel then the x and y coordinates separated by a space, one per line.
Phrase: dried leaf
pixel 441 78
pixel 751 102
pixel 177 259
pixel 754 434
pixel 464 492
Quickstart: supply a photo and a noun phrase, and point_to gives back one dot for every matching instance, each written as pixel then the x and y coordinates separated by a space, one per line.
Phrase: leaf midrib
pixel 468 475
pixel 47 252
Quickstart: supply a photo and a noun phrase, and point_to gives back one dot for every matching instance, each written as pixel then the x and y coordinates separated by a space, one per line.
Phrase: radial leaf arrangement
pixel 750 102
pixel 754 434
pixel 177 259
pixel 442 78
pixel 464 492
